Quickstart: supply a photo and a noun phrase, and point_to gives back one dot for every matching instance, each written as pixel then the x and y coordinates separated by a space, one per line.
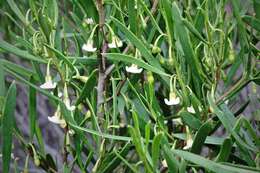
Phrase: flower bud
pixel 150 77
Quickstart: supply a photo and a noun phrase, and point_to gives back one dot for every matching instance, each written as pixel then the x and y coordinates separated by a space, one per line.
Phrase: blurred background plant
pixel 130 86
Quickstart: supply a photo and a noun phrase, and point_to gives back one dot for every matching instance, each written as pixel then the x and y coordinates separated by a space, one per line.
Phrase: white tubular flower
pixel 89 21
pixel 189 143
pixel 66 99
pixel 178 121
pixel 49 84
pixel 226 102
pixel 60 94
pixel 67 104
pixel 71 132
pixel 164 163
pixel 173 99
pixel 116 42
pixel 133 69
pixel 56 118
pixel 191 109
pixel 189 140
pixel 89 47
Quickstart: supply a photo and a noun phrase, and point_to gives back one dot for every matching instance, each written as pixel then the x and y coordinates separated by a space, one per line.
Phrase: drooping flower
pixel 66 99
pixel 189 143
pixel 89 21
pixel 89 46
pixel 226 102
pixel 60 94
pixel 189 140
pixel 57 119
pixel 68 105
pixel 116 42
pixel 133 69
pixel 173 99
pixel 49 84
pixel 191 109
pixel 71 132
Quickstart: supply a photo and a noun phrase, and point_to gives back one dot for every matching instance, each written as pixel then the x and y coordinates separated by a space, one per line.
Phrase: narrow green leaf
pixel 165 7
pixel 17 11
pixel 8 124
pixel 172 162
pixel 2 81
pixel 190 120
pixel 20 53
pixel 208 164
pixel 241 27
pixel 87 88
pixel 156 149
pixel 229 125
pixel 104 135
pixel 201 136
pixel 183 36
pixel 225 150
pixel 212 140
pixel 22 71
pixel 154 22
pixel 61 56
pixel 252 21
pixel 32 109
pixel 257 8
pixel 132 16
pixel 193 30
pixel 132 60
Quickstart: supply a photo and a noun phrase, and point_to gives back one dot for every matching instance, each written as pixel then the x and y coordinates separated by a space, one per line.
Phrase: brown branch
pixel 153 10
pixel 102 63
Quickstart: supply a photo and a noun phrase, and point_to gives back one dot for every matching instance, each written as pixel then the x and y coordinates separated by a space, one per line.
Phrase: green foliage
pixel 137 85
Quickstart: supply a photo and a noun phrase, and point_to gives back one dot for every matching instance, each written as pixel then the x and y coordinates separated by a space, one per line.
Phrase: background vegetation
pixel 135 85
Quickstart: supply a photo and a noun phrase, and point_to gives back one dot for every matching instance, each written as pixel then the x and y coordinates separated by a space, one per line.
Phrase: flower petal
pixel 54 119
pixel 188 144
pixel 48 85
pixel 190 109
pixel 89 21
pixel 89 47
pixel 172 101
pixel 133 69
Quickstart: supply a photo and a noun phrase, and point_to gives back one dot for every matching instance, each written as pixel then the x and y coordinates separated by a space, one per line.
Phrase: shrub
pixel 137 85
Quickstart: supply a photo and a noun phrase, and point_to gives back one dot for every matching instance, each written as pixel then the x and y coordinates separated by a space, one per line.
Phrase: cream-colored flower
pixel 189 140
pixel 71 132
pixel 66 99
pixel 116 42
pixel 89 47
pixel 89 21
pixel 226 102
pixel 173 99
pixel 164 163
pixel 56 118
pixel 133 69
pixel 60 94
pixel 191 109
pixel 68 105
pixel 49 84
pixel 178 121
pixel 189 143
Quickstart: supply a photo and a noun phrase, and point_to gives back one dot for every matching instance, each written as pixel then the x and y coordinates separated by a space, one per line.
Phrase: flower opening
pixel 133 69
